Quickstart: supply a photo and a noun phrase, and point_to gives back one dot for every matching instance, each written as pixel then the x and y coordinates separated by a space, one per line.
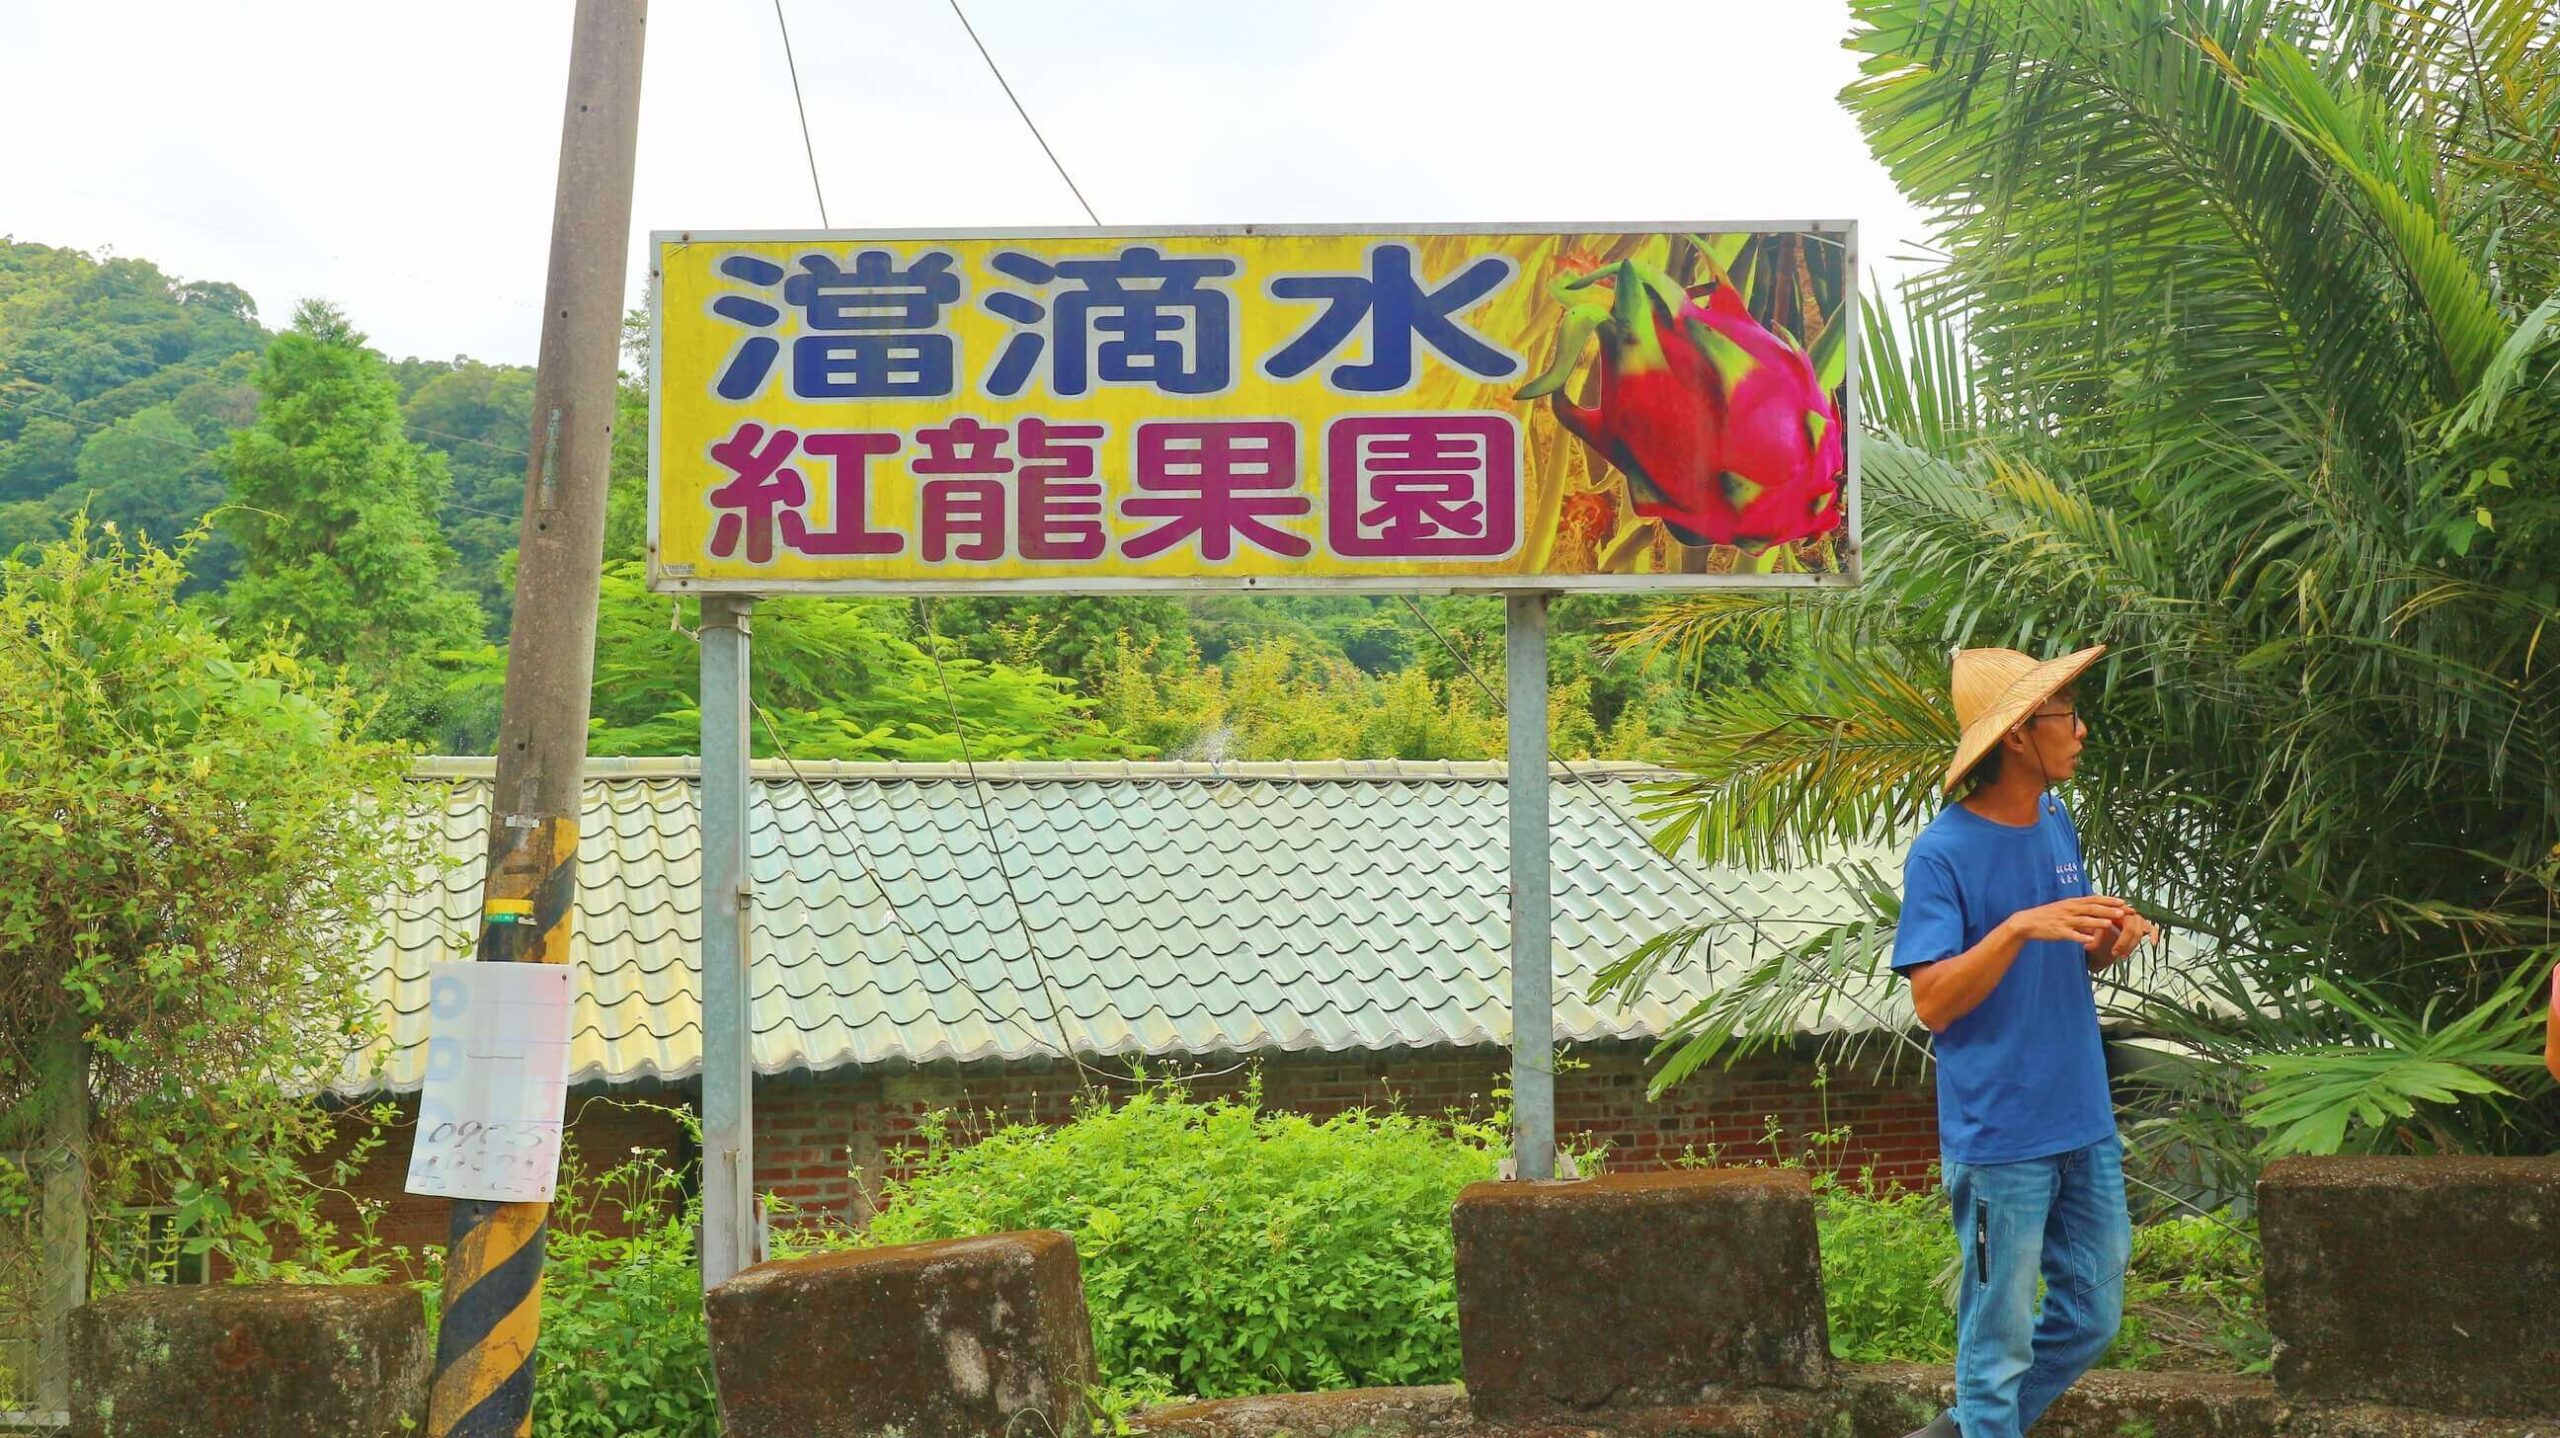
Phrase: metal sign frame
pixel 1850 574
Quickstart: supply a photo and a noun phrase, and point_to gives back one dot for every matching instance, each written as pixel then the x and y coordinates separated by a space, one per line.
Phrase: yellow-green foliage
pixel 1228 1250
pixel 197 834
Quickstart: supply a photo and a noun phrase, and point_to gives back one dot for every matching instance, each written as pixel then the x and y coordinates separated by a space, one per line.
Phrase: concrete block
pixel 927 1340
pixel 2429 1283
pixel 263 1361
pixel 1637 1289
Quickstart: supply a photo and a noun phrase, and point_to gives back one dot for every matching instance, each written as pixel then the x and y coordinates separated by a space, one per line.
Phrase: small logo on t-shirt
pixel 2067 874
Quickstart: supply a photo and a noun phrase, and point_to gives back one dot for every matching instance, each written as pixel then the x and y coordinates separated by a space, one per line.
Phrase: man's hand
pixel 2121 941
pixel 2085 922
pixel 1947 990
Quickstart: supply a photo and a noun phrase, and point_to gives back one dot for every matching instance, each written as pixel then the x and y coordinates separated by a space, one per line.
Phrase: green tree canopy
pixel 114 355
pixel 197 839
pixel 479 417
pixel 334 513
pixel 834 679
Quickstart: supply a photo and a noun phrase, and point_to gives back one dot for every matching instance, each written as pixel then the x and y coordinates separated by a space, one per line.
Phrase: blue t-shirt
pixel 2024 1075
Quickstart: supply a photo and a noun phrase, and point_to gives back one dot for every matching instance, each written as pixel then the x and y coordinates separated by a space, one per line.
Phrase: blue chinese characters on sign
pixel 869 332
pixel 1139 318
pixel 1398 310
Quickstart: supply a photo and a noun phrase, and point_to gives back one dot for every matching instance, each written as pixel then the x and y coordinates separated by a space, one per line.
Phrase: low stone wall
pixel 1637 1289
pixel 1881 1400
pixel 2425 1282
pixel 2414 1298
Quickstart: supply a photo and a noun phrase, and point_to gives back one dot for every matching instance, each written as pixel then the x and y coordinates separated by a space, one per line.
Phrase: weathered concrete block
pixel 2423 1282
pixel 925 1340
pixel 1637 1289
pixel 266 1361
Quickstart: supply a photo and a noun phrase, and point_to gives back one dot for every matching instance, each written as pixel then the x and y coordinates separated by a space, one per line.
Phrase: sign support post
pixel 1533 1023
pixel 728 1071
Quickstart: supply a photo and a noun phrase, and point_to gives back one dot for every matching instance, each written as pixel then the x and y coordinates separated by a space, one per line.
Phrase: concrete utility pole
pixel 493 1265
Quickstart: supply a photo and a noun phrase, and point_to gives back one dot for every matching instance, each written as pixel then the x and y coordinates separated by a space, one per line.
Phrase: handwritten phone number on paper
pixel 498 1150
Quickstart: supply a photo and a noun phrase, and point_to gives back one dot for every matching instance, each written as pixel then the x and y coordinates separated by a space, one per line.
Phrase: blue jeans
pixel 2063 1218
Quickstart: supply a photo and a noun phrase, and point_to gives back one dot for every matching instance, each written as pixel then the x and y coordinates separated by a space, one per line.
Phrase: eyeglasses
pixel 2072 714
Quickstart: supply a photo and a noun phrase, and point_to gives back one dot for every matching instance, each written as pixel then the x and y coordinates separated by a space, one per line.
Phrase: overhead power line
pixel 1034 126
pixel 1019 1017
pixel 807 146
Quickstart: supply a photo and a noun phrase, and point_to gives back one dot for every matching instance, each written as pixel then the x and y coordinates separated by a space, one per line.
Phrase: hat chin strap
pixel 2037 749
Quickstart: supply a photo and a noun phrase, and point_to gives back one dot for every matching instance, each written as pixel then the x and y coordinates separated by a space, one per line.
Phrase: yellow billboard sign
pixel 1110 410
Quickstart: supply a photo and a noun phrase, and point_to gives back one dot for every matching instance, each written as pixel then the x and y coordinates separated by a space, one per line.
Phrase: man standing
pixel 1999 936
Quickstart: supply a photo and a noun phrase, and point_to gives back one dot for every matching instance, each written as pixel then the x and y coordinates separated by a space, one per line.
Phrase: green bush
pixel 1888 1274
pixel 2193 1299
pixel 623 1353
pixel 1887 1258
pixel 1227 1250
pixel 624 1350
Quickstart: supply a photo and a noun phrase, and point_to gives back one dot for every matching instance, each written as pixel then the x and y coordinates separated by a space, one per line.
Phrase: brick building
pixel 921 941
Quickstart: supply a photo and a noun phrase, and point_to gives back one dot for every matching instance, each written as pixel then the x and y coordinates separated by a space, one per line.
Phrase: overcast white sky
pixel 399 159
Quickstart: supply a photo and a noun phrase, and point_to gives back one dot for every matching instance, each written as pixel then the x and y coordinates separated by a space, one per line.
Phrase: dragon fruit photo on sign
pixel 1707 396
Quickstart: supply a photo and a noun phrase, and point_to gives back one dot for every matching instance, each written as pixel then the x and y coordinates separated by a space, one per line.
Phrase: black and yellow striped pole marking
pixel 492 1310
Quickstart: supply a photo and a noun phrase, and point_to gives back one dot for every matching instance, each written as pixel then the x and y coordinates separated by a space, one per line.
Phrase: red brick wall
pixel 814 1133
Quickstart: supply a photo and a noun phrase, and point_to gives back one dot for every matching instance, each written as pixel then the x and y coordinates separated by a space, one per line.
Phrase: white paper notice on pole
pixel 497 1078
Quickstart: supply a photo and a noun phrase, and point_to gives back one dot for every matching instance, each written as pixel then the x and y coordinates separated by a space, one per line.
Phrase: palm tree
pixel 2241 360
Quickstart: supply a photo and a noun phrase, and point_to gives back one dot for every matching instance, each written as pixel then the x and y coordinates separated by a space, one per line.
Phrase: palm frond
pixel 2240 362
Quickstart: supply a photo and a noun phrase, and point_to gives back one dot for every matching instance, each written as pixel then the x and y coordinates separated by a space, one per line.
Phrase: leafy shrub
pixel 1888 1274
pixel 197 832
pixel 2193 1299
pixel 624 1352
pixel 1887 1259
pixel 1227 1250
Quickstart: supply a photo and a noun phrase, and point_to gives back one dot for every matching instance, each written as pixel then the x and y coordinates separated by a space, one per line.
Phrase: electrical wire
pixel 986 821
pixel 807 146
pixel 1020 1018
pixel 950 965
pixel 1033 125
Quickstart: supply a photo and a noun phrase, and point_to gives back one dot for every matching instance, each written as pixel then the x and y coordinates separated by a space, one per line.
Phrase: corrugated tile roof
pixel 1166 910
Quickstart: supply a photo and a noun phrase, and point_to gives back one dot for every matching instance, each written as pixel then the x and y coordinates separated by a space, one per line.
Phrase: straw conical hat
pixel 1996 689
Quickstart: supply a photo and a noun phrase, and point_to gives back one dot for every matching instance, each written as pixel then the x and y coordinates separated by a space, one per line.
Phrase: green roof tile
pixel 1176 910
